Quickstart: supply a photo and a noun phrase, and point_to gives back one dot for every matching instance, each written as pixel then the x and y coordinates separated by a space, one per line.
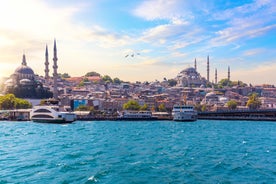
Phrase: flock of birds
pixel 132 55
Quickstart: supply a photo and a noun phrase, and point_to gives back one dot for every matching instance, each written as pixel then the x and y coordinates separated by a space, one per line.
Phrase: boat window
pixel 42 110
pixel 42 116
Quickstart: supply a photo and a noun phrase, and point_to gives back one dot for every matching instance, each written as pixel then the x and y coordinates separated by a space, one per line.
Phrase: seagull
pixel 132 55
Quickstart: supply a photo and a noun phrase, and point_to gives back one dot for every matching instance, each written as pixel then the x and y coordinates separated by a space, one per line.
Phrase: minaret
pixel 46 64
pixel 195 65
pixel 55 74
pixel 228 73
pixel 216 76
pixel 24 60
pixel 208 69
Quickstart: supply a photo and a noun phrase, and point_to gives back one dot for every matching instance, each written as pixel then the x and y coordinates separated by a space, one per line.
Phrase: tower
pixel 228 73
pixel 46 64
pixel 208 69
pixel 24 60
pixel 195 65
pixel 216 76
pixel 55 74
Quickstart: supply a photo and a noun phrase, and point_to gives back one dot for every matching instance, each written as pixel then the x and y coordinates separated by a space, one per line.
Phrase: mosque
pixel 189 77
pixel 23 83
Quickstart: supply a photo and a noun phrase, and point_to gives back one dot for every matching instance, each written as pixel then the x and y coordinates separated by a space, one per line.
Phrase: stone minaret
pixel 24 60
pixel 208 69
pixel 46 64
pixel 55 74
pixel 216 76
pixel 228 73
pixel 195 65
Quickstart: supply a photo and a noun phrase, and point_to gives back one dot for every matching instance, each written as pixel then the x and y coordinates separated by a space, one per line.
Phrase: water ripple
pixel 138 152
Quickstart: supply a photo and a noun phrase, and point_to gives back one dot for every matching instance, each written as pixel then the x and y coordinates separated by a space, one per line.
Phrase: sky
pixel 163 36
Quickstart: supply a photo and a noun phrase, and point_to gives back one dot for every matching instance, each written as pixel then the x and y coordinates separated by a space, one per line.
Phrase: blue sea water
pixel 138 152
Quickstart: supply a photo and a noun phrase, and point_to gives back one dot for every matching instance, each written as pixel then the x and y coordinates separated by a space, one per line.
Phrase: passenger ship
pixel 136 115
pixel 184 113
pixel 51 114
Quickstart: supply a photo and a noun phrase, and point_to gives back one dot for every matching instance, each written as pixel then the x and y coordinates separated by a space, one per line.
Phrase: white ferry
pixel 51 114
pixel 184 113
pixel 136 115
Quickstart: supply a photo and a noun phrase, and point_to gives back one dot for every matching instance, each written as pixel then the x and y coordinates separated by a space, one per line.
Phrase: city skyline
pixel 142 40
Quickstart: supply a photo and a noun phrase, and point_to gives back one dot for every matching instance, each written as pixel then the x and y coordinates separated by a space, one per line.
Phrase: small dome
pixel 24 70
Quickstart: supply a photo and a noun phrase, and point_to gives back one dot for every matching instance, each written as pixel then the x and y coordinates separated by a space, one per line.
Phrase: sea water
pixel 138 152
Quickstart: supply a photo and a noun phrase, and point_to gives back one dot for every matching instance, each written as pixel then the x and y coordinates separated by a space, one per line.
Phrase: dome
pixel 24 70
pixel 189 70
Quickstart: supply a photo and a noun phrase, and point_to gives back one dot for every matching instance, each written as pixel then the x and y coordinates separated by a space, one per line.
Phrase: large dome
pixel 189 70
pixel 24 70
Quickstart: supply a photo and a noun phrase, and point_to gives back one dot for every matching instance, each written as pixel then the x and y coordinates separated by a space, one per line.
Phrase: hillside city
pixel 106 95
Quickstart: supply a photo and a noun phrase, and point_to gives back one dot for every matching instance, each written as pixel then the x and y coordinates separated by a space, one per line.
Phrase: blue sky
pixel 169 35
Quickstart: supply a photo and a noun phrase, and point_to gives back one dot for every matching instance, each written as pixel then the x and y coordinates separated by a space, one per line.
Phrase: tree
pixel 91 74
pixel 9 101
pixel 107 78
pixel 232 104
pixel 64 75
pixel 162 108
pixel 117 81
pixel 144 107
pixel 85 108
pixel 253 101
pixel 224 82
pixel 172 82
pixel 131 105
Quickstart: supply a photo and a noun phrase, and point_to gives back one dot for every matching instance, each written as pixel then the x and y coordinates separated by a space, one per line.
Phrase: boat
pixel 51 114
pixel 136 115
pixel 184 113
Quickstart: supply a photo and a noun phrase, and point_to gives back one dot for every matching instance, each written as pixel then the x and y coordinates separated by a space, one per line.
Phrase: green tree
pixel 224 82
pixel 232 104
pixel 85 108
pixel 91 74
pixel 107 78
pixel 253 101
pixel 64 75
pixel 144 107
pixel 131 105
pixel 203 108
pixel 9 101
pixel 117 81
pixel 162 108
pixel 172 82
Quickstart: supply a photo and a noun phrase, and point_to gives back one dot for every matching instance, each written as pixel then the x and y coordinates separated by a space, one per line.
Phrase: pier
pixel 258 115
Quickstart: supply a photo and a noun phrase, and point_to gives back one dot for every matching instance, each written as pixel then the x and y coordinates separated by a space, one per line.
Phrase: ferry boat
pixel 136 115
pixel 184 113
pixel 51 114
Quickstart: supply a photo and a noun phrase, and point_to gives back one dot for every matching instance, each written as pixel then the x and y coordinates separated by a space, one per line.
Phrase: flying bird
pixel 132 54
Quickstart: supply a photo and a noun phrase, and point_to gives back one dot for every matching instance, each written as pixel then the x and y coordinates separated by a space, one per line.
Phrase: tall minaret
pixel 46 64
pixel 208 69
pixel 24 60
pixel 195 64
pixel 228 73
pixel 55 74
pixel 216 76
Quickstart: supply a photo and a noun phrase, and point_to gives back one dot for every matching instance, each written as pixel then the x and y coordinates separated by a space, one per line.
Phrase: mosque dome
pixel 24 70
pixel 189 77
pixel 189 70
